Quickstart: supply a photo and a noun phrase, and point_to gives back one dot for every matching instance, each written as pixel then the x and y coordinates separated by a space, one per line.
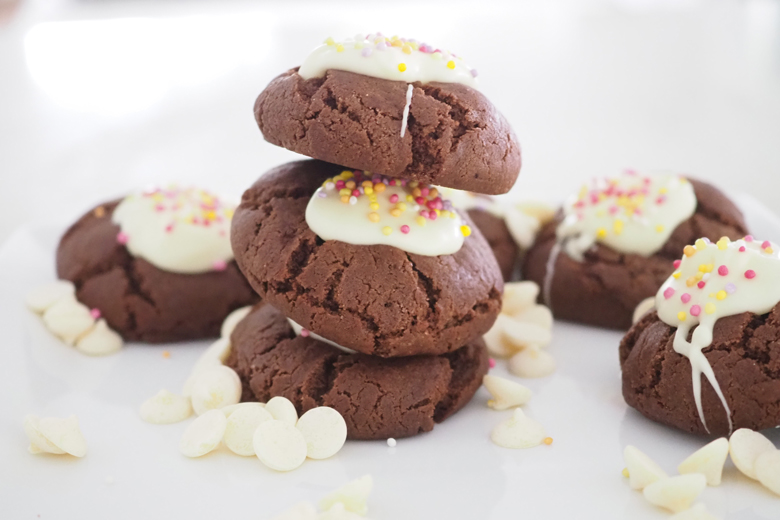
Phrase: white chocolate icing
pixel 357 208
pixel 407 106
pixel 631 214
pixel 300 331
pixel 713 281
pixel 395 59
pixel 177 230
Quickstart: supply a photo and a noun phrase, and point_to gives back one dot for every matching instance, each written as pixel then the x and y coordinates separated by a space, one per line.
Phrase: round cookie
pixel 605 288
pixel 395 107
pixel 374 299
pixel 378 398
pixel 139 300
pixel 744 355
pixel 497 234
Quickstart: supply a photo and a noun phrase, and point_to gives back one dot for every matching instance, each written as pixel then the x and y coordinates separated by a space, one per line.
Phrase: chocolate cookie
pixel 375 299
pixel 499 238
pixel 379 398
pixel 138 300
pixel 605 288
pixel 454 136
pixel 744 355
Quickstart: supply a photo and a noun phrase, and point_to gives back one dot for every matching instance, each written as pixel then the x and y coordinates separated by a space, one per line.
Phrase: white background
pixel 98 98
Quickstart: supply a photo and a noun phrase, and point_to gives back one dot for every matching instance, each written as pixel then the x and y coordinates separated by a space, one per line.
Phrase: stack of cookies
pixel 376 290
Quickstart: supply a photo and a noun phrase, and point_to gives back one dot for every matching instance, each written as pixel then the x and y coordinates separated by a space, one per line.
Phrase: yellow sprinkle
pixel 601 233
pixel 466 230
pixel 372 197
pixel 346 174
pixel 345 191
pixel 379 187
pixel 662 191
pixel 721 295
pixel 445 213
pixel 420 220
pixel 210 215
pixel 618 227
pixel 709 308
pixel 409 198
pixel 406 49
pixel 368 191
pixel 374 206
pixel 700 244
pixel 367 184
pixel 345 199
pixel 438 212
pixel 706 268
pixel 453 214
pixel 358 45
pixel 659 228
pixel 329 41
pixel 401 68
pixel 677 274
pixel 339 48
pixel 681 315
pixel 387 230
pixel 397 42
pixel 699 276
pixel 450 64
pixel 625 472
pixel 690 282
pixel 395 212
pixel 689 250
pixel 229 213
pixel 373 217
pixel 414 184
pixel 401 206
pixel 768 250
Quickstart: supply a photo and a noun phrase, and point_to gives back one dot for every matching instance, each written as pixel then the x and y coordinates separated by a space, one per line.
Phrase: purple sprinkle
pixel 473 73
pixel 366 52
pixel 706 240
pixel 381 46
pixel 322 194
pixel 731 288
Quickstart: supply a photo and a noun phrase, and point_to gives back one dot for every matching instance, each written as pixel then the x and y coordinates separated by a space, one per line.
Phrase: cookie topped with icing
pixel 182 230
pixel 395 107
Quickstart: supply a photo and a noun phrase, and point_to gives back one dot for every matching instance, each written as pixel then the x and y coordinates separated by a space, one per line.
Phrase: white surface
pixel 454 472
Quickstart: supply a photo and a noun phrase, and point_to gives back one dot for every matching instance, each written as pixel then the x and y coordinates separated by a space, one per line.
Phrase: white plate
pixel 133 470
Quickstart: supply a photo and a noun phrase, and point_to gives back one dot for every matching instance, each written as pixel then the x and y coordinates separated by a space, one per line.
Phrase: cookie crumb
pixel 391 442
pixel 166 354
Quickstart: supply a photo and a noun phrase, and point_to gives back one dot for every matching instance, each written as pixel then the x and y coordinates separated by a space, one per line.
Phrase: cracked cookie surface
pixel 378 398
pixel 454 137
pixel 606 287
pixel 375 299
pixel 744 355
pixel 138 300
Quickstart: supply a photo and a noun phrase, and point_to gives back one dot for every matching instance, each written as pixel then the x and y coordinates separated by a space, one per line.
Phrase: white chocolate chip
pixel 68 319
pixel 282 410
pixel 53 435
pixel 745 446
pixel 227 410
pixel 506 394
pixel 233 319
pixel 241 426
pixel 204 434
pixel 339 512
pixel 543 211
pixel 518 432
pixel 302 511
pixel 767 468
pixel 215 388
pixel 532 362
pixel 538 315
pixel 518 296
pixel 279 445
pixel 708 461
pixel 391 443
pixel 696 512
pixel 353 495
pixel 38 443
pixel 166 408
pixel 522 335
pixel 675 493
pixel 521 226
pixel 642 470
pixel 324 430
pixel 100 341
pixel 496 342
pixel 44 296
pixel 213 356
pixel 643 308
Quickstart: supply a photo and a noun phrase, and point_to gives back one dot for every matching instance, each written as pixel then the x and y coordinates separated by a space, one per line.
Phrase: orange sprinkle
pixel 373 217
pixel 99 212
pixel 548 440
pixel 417 192
pixel 350 185
pixel 395 212
pixel 345 199
pixel 689 250
pixel 379 187
pixel 166 354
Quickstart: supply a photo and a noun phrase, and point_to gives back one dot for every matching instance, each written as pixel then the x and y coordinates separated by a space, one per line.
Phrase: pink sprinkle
pixel 613 210
pixel 660 200
pixel 404 229
pixel 403 183
pixel 366 52
pixel 629 171
pixel 701 285
pixel 432 215
pixel 492 363
pixel 169 228
pixel 220 265
pixel 122 237
pixel 677 263
pixel 304 333
pixel 668 293
pixel 424 192
pixel 431 204
pixel 473 73
pixel 356 193
pixel 393 198
pixel 748 238
pixel 765 244
pixel 159 208
pixel 695 310
pixel 392 182
pixel 95 313
pixel 750 274
pixel 723 270
pixel 420 201
pixel 340 184
pixel 685 298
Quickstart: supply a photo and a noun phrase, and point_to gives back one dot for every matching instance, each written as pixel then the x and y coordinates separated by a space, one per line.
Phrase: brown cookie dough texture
pixel 500 240
pixel 454 137
pixel 606 287
pixel 138 300
pixel 378 398
pixel 375 299
pixel 745 356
